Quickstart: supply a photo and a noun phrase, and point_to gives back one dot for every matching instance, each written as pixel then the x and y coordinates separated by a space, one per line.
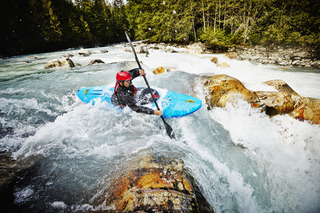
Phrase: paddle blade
pixel 169 130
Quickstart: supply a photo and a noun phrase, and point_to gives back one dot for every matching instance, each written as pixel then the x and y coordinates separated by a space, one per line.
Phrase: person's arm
pixel 136 72
pixel 130 102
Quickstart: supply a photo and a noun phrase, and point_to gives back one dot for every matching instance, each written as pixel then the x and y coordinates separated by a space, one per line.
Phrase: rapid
pixel 242 160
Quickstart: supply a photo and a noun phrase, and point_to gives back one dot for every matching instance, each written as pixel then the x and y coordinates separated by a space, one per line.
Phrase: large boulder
pixel 222 89
pixel 302 108
pixel 153 184
pixel 276 102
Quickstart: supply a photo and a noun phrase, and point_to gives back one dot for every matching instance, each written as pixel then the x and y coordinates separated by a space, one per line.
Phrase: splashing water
pixel 242 160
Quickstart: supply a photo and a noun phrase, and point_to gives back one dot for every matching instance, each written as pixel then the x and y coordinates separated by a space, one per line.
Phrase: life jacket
pixel 131 89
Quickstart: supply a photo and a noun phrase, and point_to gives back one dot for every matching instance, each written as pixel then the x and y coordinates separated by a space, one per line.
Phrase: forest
pixel 33 26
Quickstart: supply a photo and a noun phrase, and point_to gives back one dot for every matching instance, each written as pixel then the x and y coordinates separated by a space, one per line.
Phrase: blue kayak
pixel 172 104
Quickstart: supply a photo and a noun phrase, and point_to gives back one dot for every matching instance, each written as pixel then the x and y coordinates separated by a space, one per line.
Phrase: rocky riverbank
pixel 281 55
pixel 273 54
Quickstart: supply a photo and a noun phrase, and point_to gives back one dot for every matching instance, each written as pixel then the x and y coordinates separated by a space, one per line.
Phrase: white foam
pixel 241 159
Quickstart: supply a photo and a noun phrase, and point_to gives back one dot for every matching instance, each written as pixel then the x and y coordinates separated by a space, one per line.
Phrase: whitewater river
pixel 242 160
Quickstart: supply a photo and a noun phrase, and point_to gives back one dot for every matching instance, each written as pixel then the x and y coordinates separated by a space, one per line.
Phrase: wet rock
pixel 170 50
pixel 5 131
pixel 223 89
pixel 142 49
pixel 7 179
pixel 99 51
pixel 214 60
pixel 160 70
pixel 304 108
pixel 84 52
pixel 223 65
pixel 153 184
pixel 276 102
pixel 96 61
pixel 59 62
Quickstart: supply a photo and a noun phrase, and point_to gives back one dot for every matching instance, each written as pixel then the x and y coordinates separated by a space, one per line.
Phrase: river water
pixel 242 160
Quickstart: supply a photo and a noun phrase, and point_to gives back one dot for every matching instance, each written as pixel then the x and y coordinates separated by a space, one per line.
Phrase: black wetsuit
pixel 124 96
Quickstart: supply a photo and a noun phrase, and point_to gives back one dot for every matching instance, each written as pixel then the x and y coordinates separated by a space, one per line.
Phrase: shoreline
pixel 279 55
pixel 295 56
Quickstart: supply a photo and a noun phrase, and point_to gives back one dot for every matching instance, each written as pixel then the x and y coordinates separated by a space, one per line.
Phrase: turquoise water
pixel 242 160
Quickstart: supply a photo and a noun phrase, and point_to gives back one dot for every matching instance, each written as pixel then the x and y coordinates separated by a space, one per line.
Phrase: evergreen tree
pixel 45 25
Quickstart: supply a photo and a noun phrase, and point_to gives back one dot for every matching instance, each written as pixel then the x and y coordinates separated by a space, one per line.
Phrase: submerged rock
pixel 153 184
pixel 221 65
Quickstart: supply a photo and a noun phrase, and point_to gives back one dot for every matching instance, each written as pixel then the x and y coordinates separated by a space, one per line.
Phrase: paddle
pixel 168 127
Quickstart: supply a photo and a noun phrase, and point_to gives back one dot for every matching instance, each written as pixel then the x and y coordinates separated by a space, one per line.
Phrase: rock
pixel 283 87
pixel 276 102
pixel 153 184
pixel 142 49
pixel 59 62
pixel 232 55
pixel 84 52
pixel 298 107
pixel 160 70
pixel 5 131
pixel 10 175
pixel 214 60
pixel 8 172
pixel 32 57
pixel 223 89
pixel 196 48
pixel 282 55
pixel 99 51
pixel 307 109
pixel 302 113
pixel 71 64
pixel 96 61
pixel 223 65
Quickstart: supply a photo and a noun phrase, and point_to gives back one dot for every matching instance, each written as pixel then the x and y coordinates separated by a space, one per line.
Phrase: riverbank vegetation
pixel 31 26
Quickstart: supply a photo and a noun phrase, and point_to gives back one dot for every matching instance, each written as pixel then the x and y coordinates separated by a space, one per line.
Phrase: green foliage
pixel 226 23
pixel 216 38
pixel 44 25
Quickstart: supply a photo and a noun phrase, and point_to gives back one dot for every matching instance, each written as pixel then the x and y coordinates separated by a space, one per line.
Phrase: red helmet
pixel 123 76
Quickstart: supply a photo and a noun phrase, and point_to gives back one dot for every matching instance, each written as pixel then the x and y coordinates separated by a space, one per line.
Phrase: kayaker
pixel 125 91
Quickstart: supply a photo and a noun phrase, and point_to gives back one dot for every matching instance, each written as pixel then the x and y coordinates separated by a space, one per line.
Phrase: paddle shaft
pixel 168 127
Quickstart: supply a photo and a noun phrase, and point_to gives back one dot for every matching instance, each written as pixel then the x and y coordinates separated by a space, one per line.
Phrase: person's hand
pixel 157 112
pixel 141 72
